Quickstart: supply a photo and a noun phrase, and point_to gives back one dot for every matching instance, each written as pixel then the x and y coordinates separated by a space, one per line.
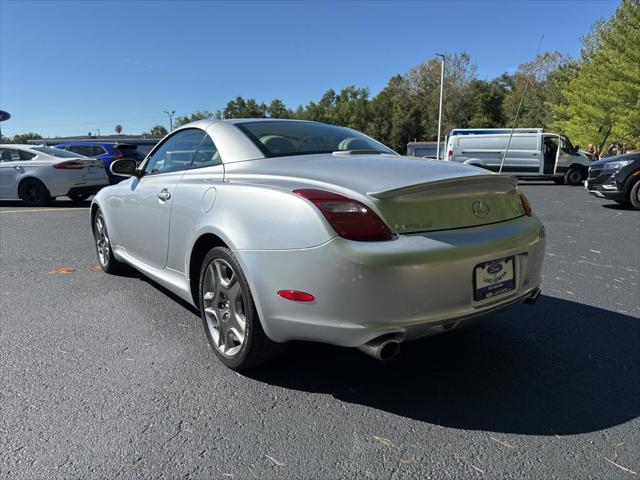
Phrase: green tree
pixel 424 82
pixel 277 109
pixel 195 116
pixel 395 115
pixel 118 129
pixel 537 73
pixel 604 95
pixel 157 131
pixel 241 108
pixel 24 137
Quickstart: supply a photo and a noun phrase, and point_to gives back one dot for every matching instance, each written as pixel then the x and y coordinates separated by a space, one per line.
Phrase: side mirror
pixel 576 148
pixel 124 167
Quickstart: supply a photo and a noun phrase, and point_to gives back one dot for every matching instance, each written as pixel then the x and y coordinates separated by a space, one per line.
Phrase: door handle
pixel 164 195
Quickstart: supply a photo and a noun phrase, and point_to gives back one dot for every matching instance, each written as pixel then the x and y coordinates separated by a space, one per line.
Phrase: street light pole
pixel 170 114
pixel 440 109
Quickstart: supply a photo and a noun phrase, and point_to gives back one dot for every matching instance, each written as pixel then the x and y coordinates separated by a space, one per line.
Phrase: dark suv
pixel 107 152
pixel 616 178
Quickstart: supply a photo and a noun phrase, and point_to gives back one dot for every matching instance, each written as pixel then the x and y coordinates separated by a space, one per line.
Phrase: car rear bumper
pixel 413 286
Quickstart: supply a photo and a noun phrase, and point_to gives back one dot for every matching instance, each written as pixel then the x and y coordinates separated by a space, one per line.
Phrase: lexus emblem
pixel 480 209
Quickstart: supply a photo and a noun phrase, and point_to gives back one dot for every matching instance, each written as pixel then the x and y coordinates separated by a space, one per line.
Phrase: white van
pixel 532 153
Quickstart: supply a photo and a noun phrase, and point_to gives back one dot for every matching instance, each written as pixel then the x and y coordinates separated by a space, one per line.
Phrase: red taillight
pixel 70 165
pixel 296 296
pixel 349 218
pixel 449 154
pixel 526 206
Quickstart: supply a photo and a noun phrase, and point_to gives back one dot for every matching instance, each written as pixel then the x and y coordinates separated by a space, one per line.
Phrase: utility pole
pixel 440 109
pixel 98 131
pixel 170 114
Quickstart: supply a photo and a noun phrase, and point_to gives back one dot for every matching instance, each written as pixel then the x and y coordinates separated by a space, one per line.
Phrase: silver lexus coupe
pixel 280 230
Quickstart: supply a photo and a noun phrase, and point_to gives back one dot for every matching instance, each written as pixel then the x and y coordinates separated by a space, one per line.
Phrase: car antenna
pixel 515 120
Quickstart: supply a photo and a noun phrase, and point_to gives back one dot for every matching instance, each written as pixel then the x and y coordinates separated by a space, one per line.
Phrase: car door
pixel 11 169
pixel 194 198
pixel 550 154
pixel 144 213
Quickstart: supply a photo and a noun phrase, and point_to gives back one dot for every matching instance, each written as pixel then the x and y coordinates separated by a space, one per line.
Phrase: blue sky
pixel 77 66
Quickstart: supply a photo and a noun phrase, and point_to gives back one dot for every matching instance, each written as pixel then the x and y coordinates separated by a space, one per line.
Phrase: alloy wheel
pixel 224 307
pixel 102 240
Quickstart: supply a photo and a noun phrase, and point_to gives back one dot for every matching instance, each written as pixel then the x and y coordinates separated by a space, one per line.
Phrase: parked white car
pixel 37 174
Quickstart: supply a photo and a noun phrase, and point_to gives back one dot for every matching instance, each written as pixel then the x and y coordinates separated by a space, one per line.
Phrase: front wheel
pixel 33 193
pixel 634 196
pixel 108 262
pixel 229 314
pixel 574 176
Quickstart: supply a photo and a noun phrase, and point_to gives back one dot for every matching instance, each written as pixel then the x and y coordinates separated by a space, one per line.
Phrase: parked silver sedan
pixel 281 230
pixel 37 174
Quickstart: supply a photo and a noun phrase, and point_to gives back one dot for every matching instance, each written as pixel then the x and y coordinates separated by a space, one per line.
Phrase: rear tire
pixel 229 313
pixel 634 196
pixel 107 261
pixel 33 193
pixel 575 176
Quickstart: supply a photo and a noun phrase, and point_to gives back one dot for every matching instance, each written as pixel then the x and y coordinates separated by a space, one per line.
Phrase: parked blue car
pixel 107 152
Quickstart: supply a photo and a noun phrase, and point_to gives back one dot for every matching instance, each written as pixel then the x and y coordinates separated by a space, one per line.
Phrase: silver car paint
pixel 57 181
pixel 410 285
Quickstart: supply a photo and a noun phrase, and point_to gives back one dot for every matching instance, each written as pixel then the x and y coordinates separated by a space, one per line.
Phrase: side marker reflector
pixel 296 296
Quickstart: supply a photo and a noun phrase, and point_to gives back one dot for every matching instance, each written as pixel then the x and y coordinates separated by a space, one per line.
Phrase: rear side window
pixel 480 142
pixel 25 155
pixel 207 155
pixel 97 150
pixel 81 149
pixel 130 152
pixel 524 143
pixel 9 155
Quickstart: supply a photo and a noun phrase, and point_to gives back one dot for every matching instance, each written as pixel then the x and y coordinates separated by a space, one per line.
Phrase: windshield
pixel 57 152
pixel 285 137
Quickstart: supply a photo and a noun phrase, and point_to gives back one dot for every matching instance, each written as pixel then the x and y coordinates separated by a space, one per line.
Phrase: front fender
pixel 106 200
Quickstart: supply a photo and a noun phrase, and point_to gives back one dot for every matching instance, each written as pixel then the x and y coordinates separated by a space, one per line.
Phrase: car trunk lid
pixel 409 194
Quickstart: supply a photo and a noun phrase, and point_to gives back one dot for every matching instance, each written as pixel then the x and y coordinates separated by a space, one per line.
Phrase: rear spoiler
pixel 446 182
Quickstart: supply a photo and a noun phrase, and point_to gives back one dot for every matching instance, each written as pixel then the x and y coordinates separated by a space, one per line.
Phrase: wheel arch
pixel 584 168
pixel 630 182
pixel 30 177
pixel 205 242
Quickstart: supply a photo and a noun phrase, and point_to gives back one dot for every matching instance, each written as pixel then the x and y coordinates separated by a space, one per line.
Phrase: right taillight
pixel 526 206
pixel 349 218
pixel 449 154
pixel 69 165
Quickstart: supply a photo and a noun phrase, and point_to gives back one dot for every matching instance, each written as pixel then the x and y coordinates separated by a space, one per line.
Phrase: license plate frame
pixel 496 283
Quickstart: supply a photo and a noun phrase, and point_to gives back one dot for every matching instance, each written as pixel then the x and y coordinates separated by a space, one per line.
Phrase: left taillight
pixel 69 165
pixel 526 206
pixel 349 218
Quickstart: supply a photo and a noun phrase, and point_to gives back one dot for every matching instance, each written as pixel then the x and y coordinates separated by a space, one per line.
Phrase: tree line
pixel 594 98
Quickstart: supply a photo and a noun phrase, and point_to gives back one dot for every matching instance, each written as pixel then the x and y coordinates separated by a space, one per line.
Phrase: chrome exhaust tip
pixel 383 348
pixel 533 298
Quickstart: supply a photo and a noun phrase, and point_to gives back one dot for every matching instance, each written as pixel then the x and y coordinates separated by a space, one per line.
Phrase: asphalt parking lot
pixel 112 377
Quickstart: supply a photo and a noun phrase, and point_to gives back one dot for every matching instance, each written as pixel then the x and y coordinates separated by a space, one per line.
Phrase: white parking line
pixel 44 210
